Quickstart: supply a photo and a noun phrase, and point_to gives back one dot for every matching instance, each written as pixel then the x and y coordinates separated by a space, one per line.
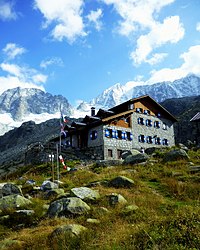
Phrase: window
pixel 164 126
pixel 124 135
pixel 139 110
pixel 119 153
pixel 114 133
pixel 141 121
pixel 157 140
pixel 93 135
pixel 108 133
pixel 141 138
pixel 148 123
pixel 110 153
pixel 147 112
pixel 119 133
pixel 129 136
pixel 130 106
pixel 149 139
pixel 156 124
pixel 165 142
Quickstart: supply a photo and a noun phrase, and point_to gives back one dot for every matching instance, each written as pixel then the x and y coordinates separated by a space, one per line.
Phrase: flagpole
pixel 58 174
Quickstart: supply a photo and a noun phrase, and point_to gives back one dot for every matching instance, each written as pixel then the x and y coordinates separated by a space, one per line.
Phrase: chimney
pixel 92 111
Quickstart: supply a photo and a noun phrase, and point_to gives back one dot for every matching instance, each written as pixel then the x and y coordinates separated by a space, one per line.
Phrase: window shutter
pixel 107 133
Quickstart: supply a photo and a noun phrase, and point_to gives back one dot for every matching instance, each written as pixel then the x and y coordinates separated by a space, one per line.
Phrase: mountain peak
pixel 22 104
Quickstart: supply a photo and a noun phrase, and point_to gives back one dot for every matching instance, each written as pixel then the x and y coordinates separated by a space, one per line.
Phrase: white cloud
pixel 52 61
pixel 94 17
pixel 20 77
pixel 7 10
pixel 65 16
pixel 157 58
pixel 12 50
pixel 39 78
pixel 198 26
pixel 12 69
pixel 137 13
pixel 170 31
pixel 10 82
pixel 142 16
pixel 190 65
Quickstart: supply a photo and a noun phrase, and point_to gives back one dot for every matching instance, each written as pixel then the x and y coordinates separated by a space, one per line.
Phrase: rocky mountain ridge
pixel 187 86
pixel 20 105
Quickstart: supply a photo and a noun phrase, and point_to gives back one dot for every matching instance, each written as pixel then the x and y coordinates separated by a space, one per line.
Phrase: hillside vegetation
pixel 183 109
pixel 162 209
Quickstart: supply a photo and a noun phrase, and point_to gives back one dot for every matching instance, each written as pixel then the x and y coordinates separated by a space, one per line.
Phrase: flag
pixel 63 163
pixel 63 120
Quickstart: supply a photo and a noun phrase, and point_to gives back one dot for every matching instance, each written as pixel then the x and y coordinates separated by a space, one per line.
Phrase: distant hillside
pixel 183 109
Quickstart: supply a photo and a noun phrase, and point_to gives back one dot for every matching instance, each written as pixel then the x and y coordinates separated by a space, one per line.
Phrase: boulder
pixel 9 189
pixel 137 158
pixel 121 182
pixel 175 155
pixel 115 199
pixel 130 209
pixel 13 201
pixel 48 185
pixel 71 230
pixel 67 206
pixel 125 153
pixel 182 146
pixel 50 194
pixel 85 193
pixel 151 150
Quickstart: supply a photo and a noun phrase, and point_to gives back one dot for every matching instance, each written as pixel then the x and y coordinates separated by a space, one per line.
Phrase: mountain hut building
pixel 139 123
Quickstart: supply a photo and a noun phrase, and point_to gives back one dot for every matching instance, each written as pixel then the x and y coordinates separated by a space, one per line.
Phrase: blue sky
pixel 79 48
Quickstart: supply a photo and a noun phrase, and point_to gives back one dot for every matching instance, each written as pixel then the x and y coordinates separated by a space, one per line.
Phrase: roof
pixel 102 113
pixel 133 100
pixel 196 118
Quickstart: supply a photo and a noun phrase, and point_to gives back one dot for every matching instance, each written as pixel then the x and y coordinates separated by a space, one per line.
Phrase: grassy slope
pixel 168 214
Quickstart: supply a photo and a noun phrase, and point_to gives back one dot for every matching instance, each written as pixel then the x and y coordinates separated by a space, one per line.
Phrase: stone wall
pixel 113 145
pixel 138 129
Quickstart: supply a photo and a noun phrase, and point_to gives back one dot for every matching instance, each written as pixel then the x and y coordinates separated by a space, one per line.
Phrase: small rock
pixel 9 189
pixel 72 230
pixel 115 199
pixel 13 201
pixel 130 209
pixel 48 185
pixel 121 181
pixel 93 221
pixel 135 159
pixel 67 206
pixel 85 193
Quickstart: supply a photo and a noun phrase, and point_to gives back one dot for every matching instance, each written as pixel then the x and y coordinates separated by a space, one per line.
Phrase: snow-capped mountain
pixel 24 104
pixel 187 86
pixel 110 97
pixel 19 105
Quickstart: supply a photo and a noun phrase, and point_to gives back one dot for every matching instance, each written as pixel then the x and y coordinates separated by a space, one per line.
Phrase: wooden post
pixel 58 170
